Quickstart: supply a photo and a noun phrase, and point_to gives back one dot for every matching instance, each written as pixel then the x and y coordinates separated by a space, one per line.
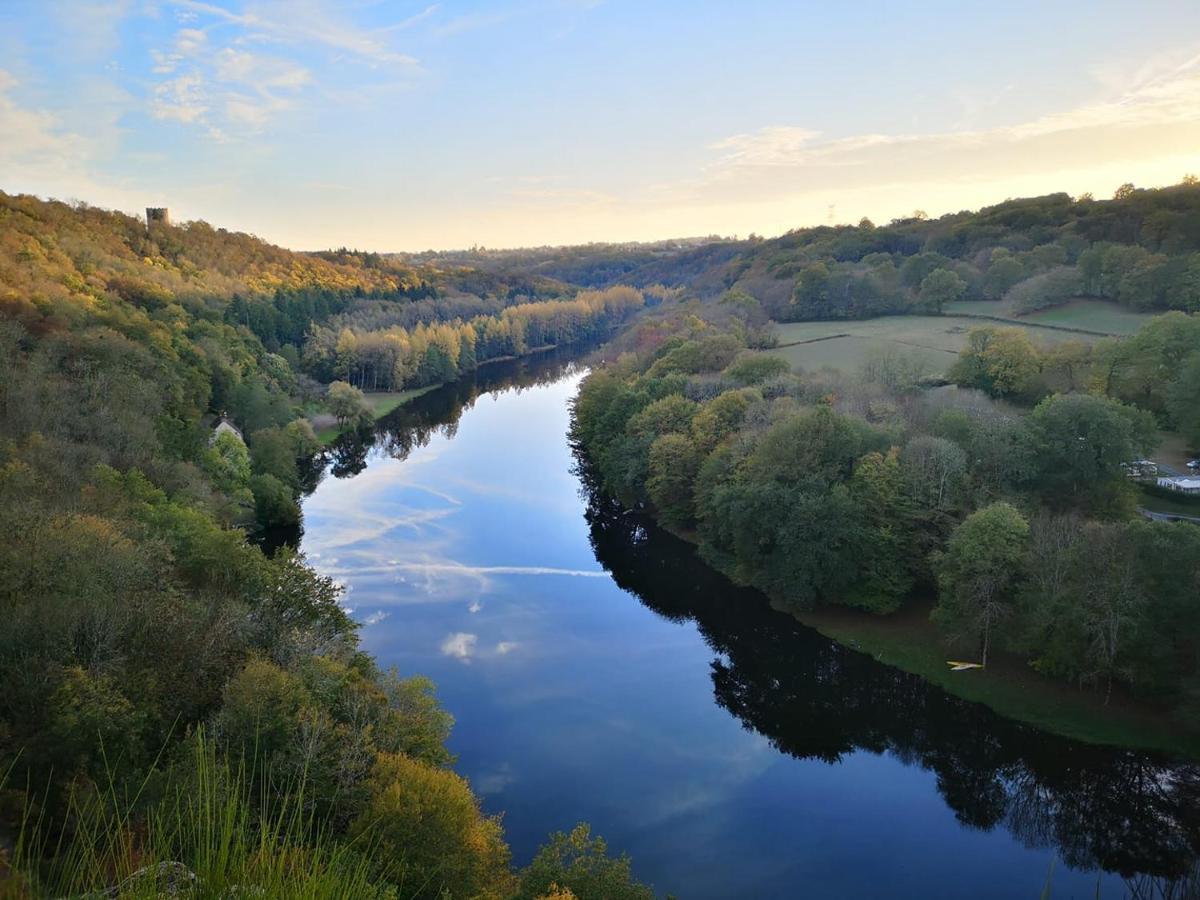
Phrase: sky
pixel 395 126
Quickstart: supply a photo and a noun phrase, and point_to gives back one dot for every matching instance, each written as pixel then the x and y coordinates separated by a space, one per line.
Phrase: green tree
pixel 579 864
pixel 348 405
pixel 1079 442
pixel 979 573
pixel 756 368
pixel 1001 361
pixel 672 473
pixel 1183 400
pixel 939 288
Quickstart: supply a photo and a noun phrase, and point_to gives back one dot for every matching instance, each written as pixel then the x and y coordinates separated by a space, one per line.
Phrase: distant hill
pixel 1141 249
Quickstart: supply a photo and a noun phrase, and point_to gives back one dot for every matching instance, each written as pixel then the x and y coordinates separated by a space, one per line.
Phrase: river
pixel 598 671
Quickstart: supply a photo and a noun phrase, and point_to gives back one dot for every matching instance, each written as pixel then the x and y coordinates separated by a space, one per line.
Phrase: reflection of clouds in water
pixel 356 527
pixel 445 579
pixel 460 645
pixel 495 781
pixel 506 647
pixel 456 569
pixel 376 617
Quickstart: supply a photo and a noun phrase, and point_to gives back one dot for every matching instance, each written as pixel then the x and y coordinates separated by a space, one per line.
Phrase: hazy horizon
pixel 403 127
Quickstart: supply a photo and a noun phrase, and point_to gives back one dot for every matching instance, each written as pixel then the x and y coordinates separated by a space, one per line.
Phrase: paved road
pixel 1167 517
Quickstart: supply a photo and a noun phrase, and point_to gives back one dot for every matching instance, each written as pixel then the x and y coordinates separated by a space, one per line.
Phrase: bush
pixel 428 834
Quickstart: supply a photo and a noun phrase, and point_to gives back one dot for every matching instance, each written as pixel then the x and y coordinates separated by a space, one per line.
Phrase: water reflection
pixel 471 556
pixel 1123 811
pixel 437 413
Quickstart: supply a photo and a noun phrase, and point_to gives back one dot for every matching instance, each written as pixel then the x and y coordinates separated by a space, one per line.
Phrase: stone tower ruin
pixel 157 215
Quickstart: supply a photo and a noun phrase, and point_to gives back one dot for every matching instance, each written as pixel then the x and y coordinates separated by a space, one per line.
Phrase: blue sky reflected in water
pixel 470 562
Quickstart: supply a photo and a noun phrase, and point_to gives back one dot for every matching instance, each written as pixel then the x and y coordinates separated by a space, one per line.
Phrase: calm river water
pixel 599 671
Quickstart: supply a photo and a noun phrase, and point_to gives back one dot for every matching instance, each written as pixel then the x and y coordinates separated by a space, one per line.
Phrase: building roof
pixel 1181 482
pixel 222 426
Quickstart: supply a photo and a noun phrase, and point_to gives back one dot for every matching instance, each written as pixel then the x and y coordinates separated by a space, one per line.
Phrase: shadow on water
pixel 1130 812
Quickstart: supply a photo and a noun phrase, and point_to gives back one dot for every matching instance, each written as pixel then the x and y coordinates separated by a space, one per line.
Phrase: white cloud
pixel 475 607
pixel 460 645
pixel 505 647
pixel 180 99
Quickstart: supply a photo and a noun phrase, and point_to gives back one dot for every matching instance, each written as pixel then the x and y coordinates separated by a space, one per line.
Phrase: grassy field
pixel 908 641
pixel 847 346
pixel 381 403
pixel 1091 315
pixel 936 340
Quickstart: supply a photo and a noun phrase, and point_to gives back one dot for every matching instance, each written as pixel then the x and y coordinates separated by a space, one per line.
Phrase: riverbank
pixel 909 641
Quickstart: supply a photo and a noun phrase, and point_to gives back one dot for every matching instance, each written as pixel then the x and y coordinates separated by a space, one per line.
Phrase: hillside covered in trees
pixel 169 687
pixel 1141 248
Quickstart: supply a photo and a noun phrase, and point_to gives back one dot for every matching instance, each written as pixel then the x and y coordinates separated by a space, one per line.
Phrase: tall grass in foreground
pixel 213 834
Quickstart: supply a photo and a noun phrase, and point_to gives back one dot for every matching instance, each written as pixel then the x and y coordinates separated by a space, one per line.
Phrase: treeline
pixel 1140 249
pixel 398 357
pixel 823 489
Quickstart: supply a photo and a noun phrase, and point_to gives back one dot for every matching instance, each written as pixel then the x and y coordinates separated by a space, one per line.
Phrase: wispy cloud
pixel 40 153
pixel 305 22
pixel 1156 96
pixel 459 569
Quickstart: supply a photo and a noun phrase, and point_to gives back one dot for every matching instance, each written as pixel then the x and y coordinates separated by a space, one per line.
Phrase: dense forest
pixel 177 703
pixel 823 488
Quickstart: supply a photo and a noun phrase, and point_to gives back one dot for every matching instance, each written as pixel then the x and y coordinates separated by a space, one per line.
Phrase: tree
pixel 274 502
pixel 721 417
pixel 757 368
pixel 885 556
pixel 1183 400
pixel 940 287
pixel 1003 273
pixel 1109 606
pixel 578 865
pixel 1080 441
pixel 1001 361
pixel 348 404
pixel 672 473
pixel 979 572
pixel 935 468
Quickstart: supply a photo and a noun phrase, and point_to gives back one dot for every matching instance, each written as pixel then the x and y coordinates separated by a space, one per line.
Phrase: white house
pixel 224 426
pixel 1182 483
